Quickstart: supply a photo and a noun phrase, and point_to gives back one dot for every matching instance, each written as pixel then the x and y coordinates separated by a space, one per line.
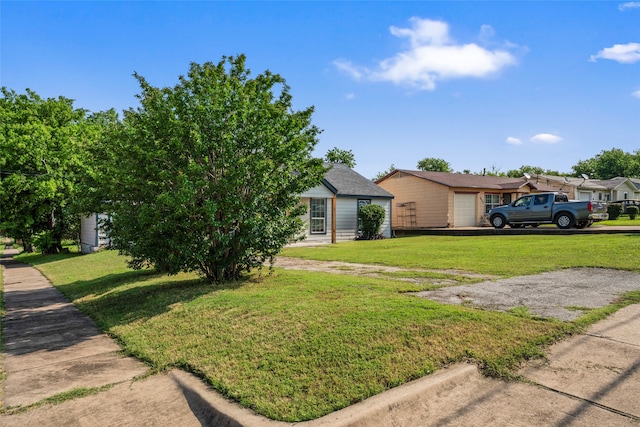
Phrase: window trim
pixel 323 217
pixel 489 206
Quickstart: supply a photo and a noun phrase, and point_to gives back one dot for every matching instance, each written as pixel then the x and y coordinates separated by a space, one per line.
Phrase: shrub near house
pixel 372 217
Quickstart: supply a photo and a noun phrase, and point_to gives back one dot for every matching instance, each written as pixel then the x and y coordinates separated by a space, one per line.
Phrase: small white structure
pixel 332 206
pixel 92 236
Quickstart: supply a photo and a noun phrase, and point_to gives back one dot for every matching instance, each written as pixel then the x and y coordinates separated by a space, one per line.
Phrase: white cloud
pixel 546 138
pixel 628 5
pixel 433 57
pixel 350 96
pixel 513 141
pixel 348 68
pixel 623 53
pixel 636 93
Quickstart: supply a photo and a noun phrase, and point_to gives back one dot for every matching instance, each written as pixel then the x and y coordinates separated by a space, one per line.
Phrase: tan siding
pixel 431 201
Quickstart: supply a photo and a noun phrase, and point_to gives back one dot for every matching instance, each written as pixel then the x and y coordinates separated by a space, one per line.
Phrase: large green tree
pixel 206 176
pixel 432 164
pixel 610 164
pixel 41 156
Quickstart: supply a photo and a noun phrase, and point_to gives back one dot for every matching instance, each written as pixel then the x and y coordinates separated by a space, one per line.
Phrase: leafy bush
pixel 632 211
pixel 372 217
pixel 614 210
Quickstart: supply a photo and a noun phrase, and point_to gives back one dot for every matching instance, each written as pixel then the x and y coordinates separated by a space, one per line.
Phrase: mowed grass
pixel 505 256
pixel 297 345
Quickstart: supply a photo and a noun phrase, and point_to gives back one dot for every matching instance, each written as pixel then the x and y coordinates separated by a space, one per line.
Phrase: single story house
pixel 92 235
pixel 619 188
pixel 333 205
pixel 444 200
pixel 608 190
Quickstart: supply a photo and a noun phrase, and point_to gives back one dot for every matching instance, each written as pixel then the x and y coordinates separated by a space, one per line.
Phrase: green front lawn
pixel 497 255
pixel 297 345
pixel 623 221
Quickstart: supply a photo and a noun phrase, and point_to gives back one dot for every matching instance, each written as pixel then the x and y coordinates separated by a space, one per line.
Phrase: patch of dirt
pixel 564 294
pixel 377 271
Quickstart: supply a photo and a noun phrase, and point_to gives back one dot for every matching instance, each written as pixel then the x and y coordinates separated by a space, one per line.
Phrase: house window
pixel 625 195
pixel 318 216
pixel 361 203
pixel 491 201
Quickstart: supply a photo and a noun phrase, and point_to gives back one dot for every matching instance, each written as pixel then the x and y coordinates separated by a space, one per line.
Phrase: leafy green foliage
pixel 614 210
pixel 336 155
pixel 610 164
pixel 532 170
pixel 382 174
pixel 41 155
pixel 632 211
pixel 432 164
pixel 372 217
pixel 205 176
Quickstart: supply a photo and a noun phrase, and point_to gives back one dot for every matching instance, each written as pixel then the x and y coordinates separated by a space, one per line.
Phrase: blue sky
pixel 482 85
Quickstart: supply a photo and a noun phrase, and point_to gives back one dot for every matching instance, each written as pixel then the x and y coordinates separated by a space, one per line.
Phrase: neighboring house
pixel 576 188
pixel 591 189
pixel 92 235
pixel 620 188
pixel 440 199
pixel 332 206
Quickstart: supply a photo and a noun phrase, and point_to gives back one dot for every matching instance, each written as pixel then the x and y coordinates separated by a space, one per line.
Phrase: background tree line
pixel 605 165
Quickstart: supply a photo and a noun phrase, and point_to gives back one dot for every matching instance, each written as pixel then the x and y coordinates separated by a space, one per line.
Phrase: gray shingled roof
pixel 344 181
pixel 611 184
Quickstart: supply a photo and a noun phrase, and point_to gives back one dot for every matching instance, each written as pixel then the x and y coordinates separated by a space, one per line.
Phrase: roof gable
pixel 344 181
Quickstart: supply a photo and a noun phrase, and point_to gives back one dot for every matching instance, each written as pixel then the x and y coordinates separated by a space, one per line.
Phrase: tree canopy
pixel 382 174
pixel 610 164
pixel 205 176
pixel 41 143
pixel 432 164
pixel 532 170
pixel 336 155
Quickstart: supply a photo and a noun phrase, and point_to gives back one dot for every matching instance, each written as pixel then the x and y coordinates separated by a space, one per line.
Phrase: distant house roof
pixel 590 184
pixel 344 181
pixel 636 182
pixel 613 183
pixel 463 180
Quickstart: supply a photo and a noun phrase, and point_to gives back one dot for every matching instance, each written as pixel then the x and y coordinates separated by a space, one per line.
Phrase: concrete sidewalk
pixel 50 348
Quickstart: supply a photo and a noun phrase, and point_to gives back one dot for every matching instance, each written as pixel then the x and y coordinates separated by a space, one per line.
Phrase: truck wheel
pixel 498 221
pixel 564 220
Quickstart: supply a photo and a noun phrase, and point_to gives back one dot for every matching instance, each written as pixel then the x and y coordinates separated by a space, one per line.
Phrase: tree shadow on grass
pixel 120 299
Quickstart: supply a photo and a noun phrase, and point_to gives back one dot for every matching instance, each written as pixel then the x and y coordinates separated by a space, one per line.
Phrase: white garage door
pixel 464 210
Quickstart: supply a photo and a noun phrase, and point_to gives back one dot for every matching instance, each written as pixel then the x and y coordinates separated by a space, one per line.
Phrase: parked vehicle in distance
pixel 548 208
pixel 626 203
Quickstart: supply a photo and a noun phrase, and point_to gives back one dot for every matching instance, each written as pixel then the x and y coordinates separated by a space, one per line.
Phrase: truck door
pixel 521 209
pixel 541 207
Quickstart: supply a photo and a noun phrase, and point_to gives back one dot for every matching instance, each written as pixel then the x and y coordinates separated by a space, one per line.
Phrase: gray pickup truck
pixel 548 208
